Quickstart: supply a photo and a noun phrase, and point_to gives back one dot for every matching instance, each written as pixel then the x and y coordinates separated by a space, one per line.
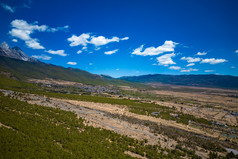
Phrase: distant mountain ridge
pixel 15 52
pixel 23 70
pixel 15 63
pixel 218 81
pixel 20 65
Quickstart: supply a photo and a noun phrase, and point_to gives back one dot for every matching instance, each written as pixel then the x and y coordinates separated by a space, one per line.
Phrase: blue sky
pixel 126 37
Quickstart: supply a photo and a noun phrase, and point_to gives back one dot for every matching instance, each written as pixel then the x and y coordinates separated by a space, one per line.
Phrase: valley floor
pixel 119 119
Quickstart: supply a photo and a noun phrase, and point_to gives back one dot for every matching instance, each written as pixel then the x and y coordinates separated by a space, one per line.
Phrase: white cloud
pixel 125 38
pixel 22 30
pixel 42 57
pixel 189 70
pixel 236 51
pixel 32 43
pixel 86 38
pixel 168 46
pixel 58 28
pixel 111 52
pixel 201 53
pixel 72 63
pixel 166 59
pixel 191 59
pixel 24 26
pixel 79 52
pixel 209 71
pixel 8 8
pixel 90 63
pixel 57 52
pixel 101 40
pixel 233 67
pixel 15 40
pixel 138 50
pixel 175 68
pixel 79 40
pixel 213 61
pixel 117 69
pixel 190 64
pixel 21 34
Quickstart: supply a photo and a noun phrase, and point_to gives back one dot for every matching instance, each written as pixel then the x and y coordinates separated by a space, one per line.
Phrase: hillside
pixel 219 81
pixel 23 70
pixel 54 133
pixel 17 64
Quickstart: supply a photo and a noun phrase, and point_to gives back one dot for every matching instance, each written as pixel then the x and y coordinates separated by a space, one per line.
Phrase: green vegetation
pixel 23 70
pixel 9 83
pixel 133 105
pixel 32 131
pixel 60 134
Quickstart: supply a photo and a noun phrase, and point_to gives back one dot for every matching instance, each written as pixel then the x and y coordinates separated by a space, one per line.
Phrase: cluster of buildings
pixel 98 89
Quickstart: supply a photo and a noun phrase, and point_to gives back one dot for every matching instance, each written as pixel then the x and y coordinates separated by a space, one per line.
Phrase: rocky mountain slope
pixel 15 52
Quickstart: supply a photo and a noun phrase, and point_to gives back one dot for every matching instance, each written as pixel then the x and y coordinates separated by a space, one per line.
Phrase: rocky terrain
pixel 15 53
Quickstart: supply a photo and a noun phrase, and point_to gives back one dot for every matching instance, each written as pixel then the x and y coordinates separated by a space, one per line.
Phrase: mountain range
pixel 22 67
pixel 211 80
pixel 15 52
